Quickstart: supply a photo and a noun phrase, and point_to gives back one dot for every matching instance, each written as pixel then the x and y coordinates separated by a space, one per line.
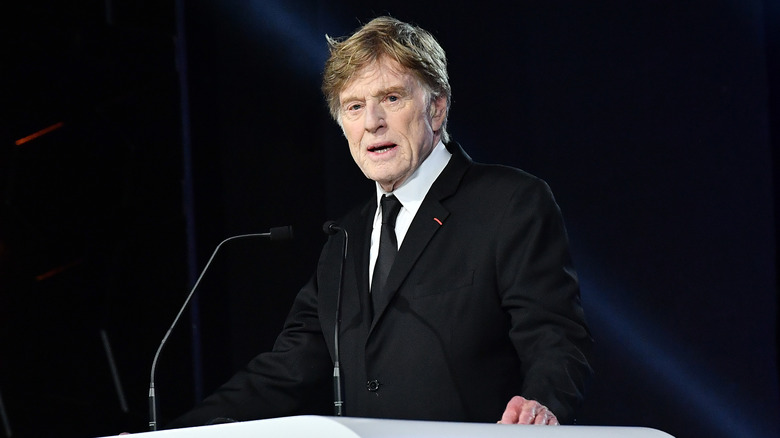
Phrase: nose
pixel 375 117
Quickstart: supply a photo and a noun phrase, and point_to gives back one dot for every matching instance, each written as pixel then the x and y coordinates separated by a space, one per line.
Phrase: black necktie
pixel 388 246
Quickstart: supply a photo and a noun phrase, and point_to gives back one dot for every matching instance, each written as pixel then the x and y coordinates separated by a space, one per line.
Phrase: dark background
pixel 180 124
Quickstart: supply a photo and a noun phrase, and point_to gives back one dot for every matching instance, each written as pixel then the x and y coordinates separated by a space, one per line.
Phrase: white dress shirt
pixel 411 194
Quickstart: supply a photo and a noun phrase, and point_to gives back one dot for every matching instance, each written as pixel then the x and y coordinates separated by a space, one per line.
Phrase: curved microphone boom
pixel 275 234
pixel 331 228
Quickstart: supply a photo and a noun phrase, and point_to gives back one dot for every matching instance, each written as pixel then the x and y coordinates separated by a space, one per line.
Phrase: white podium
pixel 309 426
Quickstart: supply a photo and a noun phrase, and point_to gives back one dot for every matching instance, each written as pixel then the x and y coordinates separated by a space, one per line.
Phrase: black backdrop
pixel 653 123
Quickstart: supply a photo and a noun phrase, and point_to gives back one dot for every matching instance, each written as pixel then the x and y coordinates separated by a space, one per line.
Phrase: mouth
pixel 381 147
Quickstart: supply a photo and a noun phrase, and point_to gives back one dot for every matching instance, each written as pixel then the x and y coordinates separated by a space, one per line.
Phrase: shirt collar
pixel 412 191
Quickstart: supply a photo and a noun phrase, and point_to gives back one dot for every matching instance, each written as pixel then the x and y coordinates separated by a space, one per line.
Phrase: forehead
pixel 377 77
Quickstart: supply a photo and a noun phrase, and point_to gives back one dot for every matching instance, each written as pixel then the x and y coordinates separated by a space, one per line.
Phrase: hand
pixel 523 411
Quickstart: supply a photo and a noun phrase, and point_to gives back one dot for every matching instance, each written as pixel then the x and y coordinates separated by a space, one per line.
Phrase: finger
pixel 510 416
pixel 529 413
pixel 546 417
pixel 543 416
pixel 513 410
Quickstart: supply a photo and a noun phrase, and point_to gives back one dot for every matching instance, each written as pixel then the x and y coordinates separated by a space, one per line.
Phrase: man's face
pixel 390 127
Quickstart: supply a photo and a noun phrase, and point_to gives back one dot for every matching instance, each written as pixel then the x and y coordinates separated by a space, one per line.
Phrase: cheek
pixel 354 151
pixel 353 141
pixel 353 138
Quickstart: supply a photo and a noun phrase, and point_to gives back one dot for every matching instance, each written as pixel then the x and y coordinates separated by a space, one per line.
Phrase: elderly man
pixel 458 300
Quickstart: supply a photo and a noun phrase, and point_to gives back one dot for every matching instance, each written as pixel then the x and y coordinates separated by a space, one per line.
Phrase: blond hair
pixel 415 49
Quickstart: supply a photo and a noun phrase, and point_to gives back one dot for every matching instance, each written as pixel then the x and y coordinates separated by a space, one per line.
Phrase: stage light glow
pixel 692 386
pixel 40 133
pixel 303 45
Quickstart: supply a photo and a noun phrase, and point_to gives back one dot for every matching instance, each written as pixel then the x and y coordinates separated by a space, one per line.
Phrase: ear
pixel 438 112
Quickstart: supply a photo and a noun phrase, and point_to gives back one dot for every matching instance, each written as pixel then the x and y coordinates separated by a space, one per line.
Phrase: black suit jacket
pixel 483 305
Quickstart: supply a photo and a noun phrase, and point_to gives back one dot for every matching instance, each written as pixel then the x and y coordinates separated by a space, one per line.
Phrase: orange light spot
pixel 57 270
pixel 40 133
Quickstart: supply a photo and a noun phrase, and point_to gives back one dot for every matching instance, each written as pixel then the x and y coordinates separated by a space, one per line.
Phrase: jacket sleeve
pixel 292 379
pixel 540 292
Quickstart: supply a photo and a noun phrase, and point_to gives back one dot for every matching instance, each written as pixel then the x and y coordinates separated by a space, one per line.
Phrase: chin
pixel 382 179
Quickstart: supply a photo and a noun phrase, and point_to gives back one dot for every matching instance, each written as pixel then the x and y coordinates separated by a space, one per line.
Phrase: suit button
pixel 373 385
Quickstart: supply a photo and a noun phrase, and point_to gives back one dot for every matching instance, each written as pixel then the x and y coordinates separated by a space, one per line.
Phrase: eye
pixel 393 98
pixel 354 107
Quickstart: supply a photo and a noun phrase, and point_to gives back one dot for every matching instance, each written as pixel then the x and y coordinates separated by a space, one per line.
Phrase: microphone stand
pixel 277 233
pixel 338 401
pixel 331 228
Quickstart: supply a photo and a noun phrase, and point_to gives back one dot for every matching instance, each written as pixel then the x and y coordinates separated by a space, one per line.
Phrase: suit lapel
pixel 429 219
pixel 361 249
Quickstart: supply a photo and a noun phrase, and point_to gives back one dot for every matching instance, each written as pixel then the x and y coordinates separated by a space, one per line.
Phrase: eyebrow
pixel 390 90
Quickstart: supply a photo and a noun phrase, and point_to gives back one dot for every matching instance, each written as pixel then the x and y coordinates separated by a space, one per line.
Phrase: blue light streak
pixel 298 36
pixel 702 397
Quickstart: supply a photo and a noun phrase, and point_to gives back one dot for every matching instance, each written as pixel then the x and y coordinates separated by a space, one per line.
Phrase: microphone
pixel 330 228
pixel 275 234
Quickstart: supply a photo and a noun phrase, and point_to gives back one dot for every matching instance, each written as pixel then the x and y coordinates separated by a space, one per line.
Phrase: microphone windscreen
pixel 281 233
